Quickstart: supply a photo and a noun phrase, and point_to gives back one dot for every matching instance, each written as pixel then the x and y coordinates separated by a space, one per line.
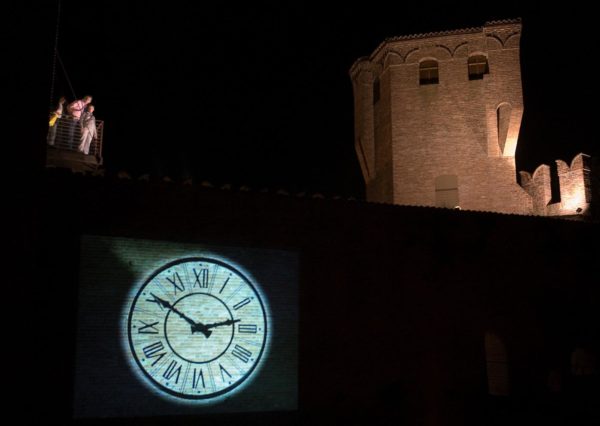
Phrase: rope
pixel 66 75
pixel 55 56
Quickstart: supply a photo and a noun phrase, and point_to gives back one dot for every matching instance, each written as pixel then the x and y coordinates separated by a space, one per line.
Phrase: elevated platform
pixel 74 160
pixel 63 140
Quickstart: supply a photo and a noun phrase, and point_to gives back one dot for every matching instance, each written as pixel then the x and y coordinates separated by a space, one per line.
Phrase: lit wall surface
pixel 169 328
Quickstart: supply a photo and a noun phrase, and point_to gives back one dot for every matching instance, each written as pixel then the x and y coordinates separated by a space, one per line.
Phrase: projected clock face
pixel 197 328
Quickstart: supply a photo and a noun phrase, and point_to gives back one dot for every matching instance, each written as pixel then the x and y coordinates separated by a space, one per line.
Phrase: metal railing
pixel 66 134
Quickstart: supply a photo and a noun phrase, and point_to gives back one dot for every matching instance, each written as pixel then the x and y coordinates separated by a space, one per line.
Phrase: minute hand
pixel 196 326
pixel 218 324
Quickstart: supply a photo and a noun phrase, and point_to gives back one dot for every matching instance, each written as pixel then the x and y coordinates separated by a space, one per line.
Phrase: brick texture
pixel 415 133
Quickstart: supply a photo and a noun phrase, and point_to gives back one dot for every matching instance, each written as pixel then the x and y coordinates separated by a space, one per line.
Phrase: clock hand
pixel 218 324
pixel 196 326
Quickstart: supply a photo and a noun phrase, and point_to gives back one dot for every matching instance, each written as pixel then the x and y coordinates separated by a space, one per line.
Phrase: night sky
pixel 260 95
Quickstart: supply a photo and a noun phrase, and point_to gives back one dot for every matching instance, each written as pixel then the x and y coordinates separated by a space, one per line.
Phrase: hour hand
pixel 218 324
pixel 201 328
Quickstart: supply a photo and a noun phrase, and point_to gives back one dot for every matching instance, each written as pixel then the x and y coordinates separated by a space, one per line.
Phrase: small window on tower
pixel 478 66
pixel 428 72
pixel 376 90
pixel 446 191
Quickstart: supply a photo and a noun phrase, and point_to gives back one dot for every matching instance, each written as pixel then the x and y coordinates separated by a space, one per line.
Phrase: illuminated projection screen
pixel 168 328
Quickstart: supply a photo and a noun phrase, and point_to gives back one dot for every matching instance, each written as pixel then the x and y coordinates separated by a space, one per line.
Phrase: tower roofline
pixel 360 61
pixel 470 30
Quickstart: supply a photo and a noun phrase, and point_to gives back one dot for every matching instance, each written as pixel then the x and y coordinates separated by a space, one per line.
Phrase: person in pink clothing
pixel 75 109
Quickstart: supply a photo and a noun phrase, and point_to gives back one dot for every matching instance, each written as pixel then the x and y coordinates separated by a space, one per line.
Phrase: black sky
pixel 260 95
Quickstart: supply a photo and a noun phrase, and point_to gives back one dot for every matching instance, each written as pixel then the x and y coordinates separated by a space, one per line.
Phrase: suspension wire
pixel 55 56
pixel 66 75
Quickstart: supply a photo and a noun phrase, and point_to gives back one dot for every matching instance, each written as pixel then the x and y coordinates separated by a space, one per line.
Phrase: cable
pixel 55 56
pixel 66 75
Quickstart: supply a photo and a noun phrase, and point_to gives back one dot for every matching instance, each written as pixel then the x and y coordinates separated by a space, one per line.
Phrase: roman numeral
pixel 210 376
pixel 156 300
pixel 196 379
pixel 148 328
pixel 201 278
pixel 241 353
pixel 171 370
pixel 241 304
pixel 152 351
pixel 247 328
pixel 224 284
pixel 223 371
pixel 176 278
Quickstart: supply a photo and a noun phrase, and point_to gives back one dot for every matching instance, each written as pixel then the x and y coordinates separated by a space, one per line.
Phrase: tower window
pixel 478 66
pixel 376 90
pixel 446 191
pixel 428 73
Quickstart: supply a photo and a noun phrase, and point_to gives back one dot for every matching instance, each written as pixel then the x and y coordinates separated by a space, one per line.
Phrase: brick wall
pixel 451 128
pixel 574 187
pixel 395 302
pixel 575 184
pixel 538 186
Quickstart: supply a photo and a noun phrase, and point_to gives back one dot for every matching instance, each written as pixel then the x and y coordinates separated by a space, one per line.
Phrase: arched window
pixel 503 121
pixel 478 66
pixel 428 72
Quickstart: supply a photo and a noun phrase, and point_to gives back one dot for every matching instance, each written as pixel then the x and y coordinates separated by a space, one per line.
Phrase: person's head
pixel 87 99
pixel 90 108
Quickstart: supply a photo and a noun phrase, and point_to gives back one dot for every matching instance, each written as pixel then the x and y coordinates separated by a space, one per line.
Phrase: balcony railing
pixel 64 139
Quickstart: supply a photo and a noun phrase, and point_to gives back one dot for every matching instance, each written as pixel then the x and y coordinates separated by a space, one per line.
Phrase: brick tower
pixel 437 118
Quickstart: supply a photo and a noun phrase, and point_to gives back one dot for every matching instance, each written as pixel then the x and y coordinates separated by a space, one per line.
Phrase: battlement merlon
pixel 574 187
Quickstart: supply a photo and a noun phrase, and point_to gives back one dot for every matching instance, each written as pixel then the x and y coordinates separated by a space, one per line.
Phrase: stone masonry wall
pixel 538 186
pixel 450 128
pixel 574 186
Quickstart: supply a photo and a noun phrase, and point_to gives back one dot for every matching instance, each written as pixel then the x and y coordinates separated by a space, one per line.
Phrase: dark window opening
pixel 446 191
pixel 478 66
pixel 428 73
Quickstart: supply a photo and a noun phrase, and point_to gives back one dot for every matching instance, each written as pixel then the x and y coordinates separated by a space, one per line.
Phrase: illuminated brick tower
pixel 437 118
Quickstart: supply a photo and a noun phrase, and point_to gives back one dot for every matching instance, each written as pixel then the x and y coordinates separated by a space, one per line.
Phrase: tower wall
pixel 373 141
pixel 458 127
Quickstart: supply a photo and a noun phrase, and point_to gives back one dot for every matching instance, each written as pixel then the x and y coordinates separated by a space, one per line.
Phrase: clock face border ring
pixel 178 397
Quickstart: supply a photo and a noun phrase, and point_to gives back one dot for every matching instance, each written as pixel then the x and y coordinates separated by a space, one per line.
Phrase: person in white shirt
pixel 89 131
pixel 76 109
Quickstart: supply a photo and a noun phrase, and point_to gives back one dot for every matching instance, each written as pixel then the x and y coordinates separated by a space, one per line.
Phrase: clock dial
pixel 197 328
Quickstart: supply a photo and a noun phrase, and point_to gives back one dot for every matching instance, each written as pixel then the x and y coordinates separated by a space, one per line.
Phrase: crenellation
pixel 538 186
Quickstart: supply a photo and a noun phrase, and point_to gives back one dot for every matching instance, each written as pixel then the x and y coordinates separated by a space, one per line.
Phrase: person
pixel 89 131
pixel 55 117
pixel 76 109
